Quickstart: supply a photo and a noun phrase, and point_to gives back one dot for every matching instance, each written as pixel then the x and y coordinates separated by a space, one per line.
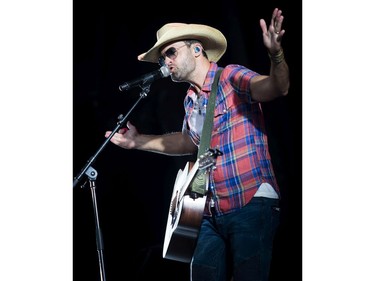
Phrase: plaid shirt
pixel 239 132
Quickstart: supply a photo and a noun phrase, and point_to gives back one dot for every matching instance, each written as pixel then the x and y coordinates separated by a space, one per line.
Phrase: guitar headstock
pixel 208 159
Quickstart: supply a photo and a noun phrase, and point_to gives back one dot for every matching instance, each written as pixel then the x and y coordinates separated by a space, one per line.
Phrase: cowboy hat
pixel 213 41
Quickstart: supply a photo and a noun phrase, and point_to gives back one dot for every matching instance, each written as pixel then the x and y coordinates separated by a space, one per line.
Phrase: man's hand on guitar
pixel 124 137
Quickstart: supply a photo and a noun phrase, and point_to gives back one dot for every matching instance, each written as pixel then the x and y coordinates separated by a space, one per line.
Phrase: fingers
pixel 129 125
pixel 263 25
pixel 273 18
pixel 123 130
pixel 275 26
pixel 120 131
pixel 276 21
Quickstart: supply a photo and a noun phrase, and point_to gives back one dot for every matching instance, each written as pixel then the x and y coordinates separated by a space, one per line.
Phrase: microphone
pixel 146 79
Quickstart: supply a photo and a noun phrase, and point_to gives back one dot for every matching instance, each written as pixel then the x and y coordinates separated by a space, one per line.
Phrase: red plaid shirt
pixel 239 133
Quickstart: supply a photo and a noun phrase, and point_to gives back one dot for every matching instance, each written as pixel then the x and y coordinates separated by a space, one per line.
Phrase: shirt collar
pixel 207 85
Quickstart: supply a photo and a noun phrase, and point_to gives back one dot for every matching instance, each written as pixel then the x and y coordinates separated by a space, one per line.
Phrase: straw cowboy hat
pixel 213 41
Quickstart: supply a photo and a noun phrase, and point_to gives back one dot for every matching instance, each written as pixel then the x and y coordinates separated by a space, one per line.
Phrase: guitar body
pixel 186 211
pixel 180 238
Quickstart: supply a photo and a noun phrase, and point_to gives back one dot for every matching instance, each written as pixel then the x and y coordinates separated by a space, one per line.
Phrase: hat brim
pixel 213 41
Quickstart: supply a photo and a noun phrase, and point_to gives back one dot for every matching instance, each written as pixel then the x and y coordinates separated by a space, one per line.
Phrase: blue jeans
pixel 237 246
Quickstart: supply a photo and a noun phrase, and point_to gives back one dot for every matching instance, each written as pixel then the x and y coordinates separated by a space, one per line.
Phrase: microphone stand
pixel 91 173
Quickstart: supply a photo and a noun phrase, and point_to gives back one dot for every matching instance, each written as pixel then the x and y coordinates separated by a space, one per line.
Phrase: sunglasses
pixel 171 53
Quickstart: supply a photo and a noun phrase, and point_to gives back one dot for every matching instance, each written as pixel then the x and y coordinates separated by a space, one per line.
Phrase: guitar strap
pixel 199 184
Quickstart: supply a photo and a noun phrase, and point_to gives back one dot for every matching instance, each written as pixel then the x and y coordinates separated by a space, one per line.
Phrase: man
pixel 241 213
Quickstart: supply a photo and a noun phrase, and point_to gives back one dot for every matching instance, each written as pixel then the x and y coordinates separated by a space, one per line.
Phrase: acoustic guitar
pixel 186 209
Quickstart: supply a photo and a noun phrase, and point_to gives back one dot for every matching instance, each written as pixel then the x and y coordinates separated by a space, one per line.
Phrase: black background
pixel 133 188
